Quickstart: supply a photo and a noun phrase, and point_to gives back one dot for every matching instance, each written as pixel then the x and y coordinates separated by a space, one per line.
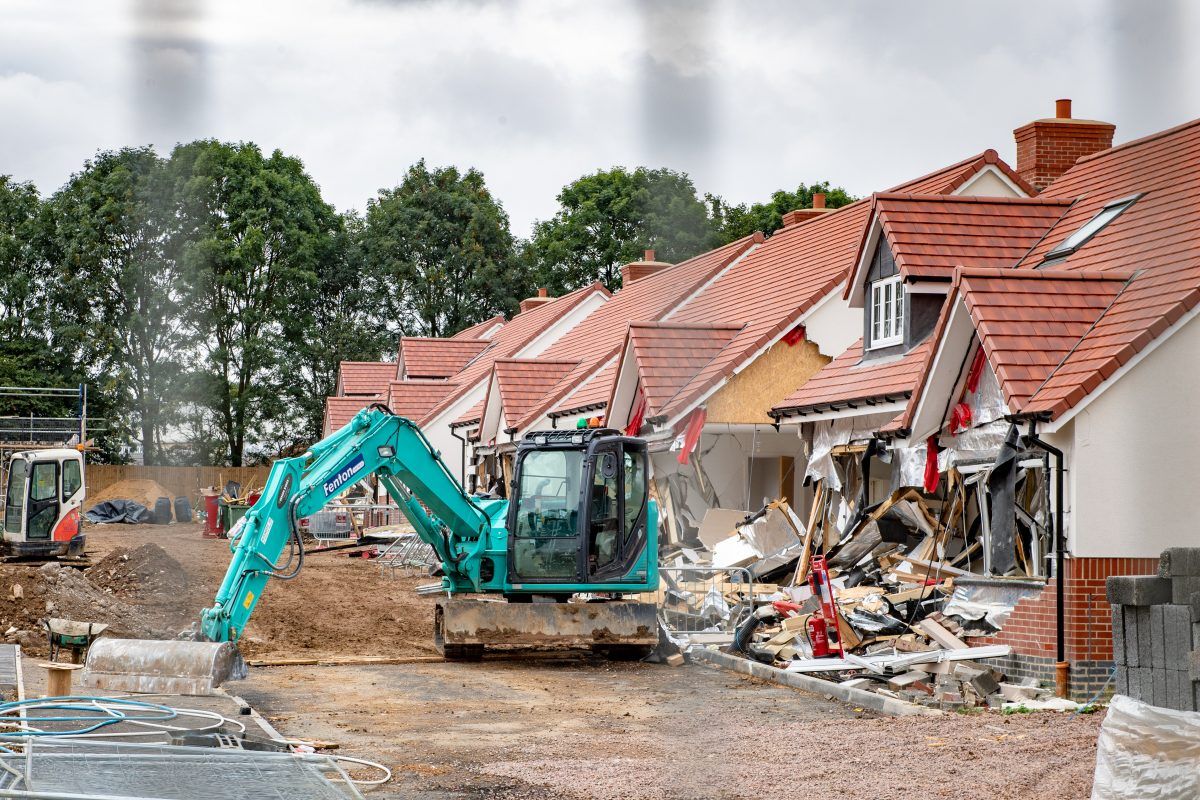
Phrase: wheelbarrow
pixel 75 637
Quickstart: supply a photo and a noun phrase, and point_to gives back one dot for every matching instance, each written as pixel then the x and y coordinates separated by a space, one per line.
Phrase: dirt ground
pixel 569 726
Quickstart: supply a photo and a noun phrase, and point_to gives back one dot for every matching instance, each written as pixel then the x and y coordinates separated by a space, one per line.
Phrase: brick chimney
pixel 640 269
pixel 1046 148
pixel 543 296
pixel 799 215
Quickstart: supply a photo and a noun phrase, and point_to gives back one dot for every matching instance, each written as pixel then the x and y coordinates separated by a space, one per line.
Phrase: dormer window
pixel 1090 228
pixel 887 312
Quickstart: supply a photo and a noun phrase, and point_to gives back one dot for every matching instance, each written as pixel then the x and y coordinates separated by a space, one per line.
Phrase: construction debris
pixel 869 595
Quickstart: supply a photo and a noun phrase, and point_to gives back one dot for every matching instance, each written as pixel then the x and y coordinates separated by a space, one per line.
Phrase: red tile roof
pixel 523 383
pixel 930 235
pixel 598 339
pixel 668 356
pixel 469 417
pixel 427 357
pixel 1029 321
pixel 481 330
pixel 1158 236
pixel 340 410
pixel 848 381
pixel 413 399
pixel 509 340
pixel 777 283
pixel 592 393
pixel 365 378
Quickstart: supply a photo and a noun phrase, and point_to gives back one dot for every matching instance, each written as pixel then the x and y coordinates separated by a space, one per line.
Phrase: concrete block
pixel 1138 590
pixel 1131 636
pixel 1139 683
pixel 1194 665
pixel 1122 681
pixel 1196 635
pixel 1118 635
pixel 1177 636
pixel 1187 698
pixel 1179 562
pixel 1173 696
pixel 1194 604
pixel 1182 590
pixel 1145 640
pixel 1159 690
pixel 1158 638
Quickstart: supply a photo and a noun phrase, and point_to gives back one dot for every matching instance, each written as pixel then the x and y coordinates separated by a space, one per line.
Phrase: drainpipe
pixel 1062 667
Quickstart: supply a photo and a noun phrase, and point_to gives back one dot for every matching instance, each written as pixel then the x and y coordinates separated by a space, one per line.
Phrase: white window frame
pixel 886 312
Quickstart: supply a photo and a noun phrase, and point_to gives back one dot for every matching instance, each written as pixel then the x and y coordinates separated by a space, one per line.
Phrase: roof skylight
pixel 1090 228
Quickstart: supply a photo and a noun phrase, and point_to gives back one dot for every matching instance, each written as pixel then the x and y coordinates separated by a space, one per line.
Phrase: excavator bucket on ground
pixel 161 667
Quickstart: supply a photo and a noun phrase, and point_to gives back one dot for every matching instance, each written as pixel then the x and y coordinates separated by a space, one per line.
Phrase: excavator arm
pixel 376 441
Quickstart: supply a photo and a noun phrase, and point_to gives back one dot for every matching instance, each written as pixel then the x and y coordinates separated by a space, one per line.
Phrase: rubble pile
pixel 146 569
pixel 883 599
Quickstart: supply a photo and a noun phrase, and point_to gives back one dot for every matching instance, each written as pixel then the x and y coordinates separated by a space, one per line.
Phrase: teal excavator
pixel 547 566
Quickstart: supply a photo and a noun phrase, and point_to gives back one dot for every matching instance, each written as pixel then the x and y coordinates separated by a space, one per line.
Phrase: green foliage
pixel 440 249
pixel 257 231
pixel 609 218
pixel 732 222
pixel 114 238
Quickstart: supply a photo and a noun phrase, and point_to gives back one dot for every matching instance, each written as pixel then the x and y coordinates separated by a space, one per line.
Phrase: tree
pixel 609 218
pixel 734 222
pixel 340 320
pixel 256 231
pixel 440 246
pixel 115 243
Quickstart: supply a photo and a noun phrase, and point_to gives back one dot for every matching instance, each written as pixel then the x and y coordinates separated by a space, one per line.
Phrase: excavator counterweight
pixel 549 566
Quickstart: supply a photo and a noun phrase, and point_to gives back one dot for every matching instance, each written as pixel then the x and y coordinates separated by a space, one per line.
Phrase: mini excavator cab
pixel 578 509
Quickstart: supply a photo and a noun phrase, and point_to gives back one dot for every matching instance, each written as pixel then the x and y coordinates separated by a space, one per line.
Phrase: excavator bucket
pixel 161 667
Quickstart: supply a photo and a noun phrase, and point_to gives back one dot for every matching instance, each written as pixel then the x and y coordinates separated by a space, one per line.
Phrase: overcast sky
pixel 747 97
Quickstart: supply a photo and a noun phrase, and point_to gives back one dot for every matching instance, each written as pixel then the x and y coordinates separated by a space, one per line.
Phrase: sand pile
pixel 146 569
pixel 139 490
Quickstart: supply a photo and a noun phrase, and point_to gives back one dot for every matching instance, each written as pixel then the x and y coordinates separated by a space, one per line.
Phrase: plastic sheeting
pixel 828 434
pixel 1146 751
pixel 118 511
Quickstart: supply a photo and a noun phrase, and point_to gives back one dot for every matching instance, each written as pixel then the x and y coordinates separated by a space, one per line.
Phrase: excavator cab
pixel 43 494
pixel 578 510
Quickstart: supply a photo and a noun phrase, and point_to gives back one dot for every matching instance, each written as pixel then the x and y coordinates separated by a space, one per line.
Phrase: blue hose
pixel 151 712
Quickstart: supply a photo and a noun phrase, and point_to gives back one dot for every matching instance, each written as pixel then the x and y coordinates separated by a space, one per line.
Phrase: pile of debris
pixel 144 569
pixel 880 599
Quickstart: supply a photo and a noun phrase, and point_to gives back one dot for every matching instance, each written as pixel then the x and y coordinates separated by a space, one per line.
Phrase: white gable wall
pixel 1133 464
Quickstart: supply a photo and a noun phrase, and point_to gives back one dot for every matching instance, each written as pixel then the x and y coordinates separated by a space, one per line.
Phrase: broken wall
pixel 765 382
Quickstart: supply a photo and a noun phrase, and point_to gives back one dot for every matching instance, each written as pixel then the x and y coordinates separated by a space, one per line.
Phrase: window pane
pixel 603 513
pixel 15 497
pixel 888 311
pixel 899 325
pixel 547 515
pixel 44 482
pixel 635 492
pixel 71 482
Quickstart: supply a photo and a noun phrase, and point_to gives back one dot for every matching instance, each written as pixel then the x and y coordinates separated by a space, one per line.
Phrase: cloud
pixel 748 98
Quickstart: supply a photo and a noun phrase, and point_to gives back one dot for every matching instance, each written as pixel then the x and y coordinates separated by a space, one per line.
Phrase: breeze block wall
pixel 1031 629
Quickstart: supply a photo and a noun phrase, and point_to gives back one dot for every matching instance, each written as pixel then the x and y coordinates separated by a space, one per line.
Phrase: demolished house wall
pixel 750 394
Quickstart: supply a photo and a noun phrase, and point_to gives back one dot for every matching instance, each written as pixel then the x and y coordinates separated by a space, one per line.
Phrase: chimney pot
pixel 1062 108
pixel 818 200
pixel 543 292
pixel 649 256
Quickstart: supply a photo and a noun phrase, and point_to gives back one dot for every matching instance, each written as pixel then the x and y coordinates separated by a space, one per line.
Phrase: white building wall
pixel 1134 471
pixel 833 325
pixel 442 437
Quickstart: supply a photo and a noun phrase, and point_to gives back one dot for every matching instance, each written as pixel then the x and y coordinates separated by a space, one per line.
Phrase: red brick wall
pixel 1048 148
pixel 1031 629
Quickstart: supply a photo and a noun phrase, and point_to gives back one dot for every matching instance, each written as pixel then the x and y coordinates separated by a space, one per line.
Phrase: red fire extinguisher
pixel 817 637
pixel 828 618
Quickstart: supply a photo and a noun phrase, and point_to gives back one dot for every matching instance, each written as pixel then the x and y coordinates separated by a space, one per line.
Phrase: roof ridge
pixel 535 360
pixel 686 326
pixel 961 272
pixel 1039 200
pixel 975 159
pixel 449 339
pixel 1140 141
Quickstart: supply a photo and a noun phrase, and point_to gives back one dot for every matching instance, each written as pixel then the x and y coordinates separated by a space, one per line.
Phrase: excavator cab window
pixel 43 500
pixel 547 520
pixel 604 519
pixel 14 507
